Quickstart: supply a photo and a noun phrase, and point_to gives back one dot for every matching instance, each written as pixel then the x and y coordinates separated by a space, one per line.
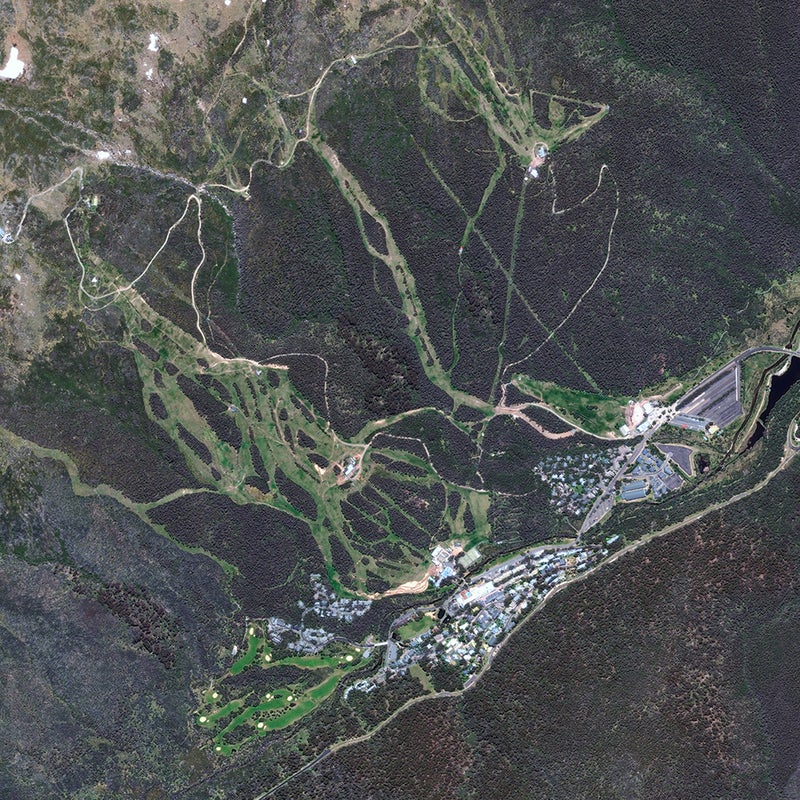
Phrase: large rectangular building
pixel 475 594
pixel 689 422
pixel 634 494
pixel 634 485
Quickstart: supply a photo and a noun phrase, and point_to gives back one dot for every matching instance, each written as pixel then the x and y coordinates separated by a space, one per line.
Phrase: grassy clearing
pixel 751 373
pixel 256 645
pixel 595 413
pixel 416 671
pixel 417 626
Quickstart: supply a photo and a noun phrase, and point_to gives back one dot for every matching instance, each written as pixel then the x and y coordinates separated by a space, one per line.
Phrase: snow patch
pixel 149 74
pixel 153 46
pixel 102 155
pixel 14 66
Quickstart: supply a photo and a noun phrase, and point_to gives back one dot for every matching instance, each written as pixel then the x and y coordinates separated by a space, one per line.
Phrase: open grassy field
pixel 416 627
pixel 595 413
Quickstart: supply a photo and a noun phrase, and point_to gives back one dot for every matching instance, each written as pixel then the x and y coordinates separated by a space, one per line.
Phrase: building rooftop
pixel 634 494
pixel 634 485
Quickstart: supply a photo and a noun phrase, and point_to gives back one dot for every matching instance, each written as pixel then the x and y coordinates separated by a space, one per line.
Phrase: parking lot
pixel 717 401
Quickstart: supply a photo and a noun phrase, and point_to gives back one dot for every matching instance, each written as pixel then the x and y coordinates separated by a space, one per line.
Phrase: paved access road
pixel 602 505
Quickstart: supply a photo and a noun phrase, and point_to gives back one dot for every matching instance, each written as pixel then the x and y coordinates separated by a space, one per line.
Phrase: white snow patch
pixel 14 67
pixel 102 155
pixel 18 276
pixel 153 46
pixel 227 2
pixel 244 100
pixel 149 74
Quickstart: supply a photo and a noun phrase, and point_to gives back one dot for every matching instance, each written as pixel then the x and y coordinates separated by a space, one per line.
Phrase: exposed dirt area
pixel 409 587
pixel 518 413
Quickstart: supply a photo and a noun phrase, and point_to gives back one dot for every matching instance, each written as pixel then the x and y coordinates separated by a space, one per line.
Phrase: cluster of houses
pixel 574 479
pixel 297 638
pixel 326 604
pixel 478 618
pixel 650 473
